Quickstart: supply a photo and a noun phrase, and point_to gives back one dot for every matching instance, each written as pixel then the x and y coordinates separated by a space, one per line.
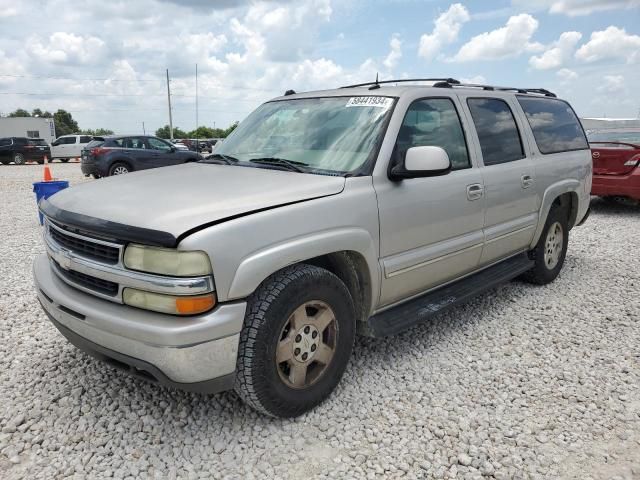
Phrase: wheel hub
pixel 553 246
pixel 305 343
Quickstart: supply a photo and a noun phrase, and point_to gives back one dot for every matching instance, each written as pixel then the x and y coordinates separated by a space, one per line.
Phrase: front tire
pixel 296 341
pixel 551 249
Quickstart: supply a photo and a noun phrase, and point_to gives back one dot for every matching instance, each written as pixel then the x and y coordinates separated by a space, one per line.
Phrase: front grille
pixel 87 281
pixel 86 248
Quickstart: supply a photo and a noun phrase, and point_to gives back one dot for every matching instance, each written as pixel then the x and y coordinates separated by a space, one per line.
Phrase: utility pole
pixel 170 115
pixel 196 97
pixel 144 132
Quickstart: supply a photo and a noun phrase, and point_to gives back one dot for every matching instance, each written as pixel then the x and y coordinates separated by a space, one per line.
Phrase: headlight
pixel 167 261
pixel 173 305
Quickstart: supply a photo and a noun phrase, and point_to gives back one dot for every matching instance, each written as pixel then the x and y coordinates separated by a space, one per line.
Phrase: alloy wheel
pixel 553 245
pixel 307 344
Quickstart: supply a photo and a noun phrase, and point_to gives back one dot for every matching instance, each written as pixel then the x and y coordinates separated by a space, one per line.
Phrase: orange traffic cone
pixel 47 172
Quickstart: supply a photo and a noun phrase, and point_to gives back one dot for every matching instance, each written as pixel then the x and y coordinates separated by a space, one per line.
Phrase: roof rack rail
pixel 540 91
pixel 451 81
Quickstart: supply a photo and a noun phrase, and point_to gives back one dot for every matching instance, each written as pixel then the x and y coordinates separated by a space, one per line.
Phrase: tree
pixel 39 113
pixel 98 132
pixel 230 129
pixel 20 113
pixel 202 132
pixel 177 133
pixel 64 122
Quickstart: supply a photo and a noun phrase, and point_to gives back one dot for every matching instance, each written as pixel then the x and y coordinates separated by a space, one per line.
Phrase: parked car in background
pixel 118 154
pixel 324 213
pixel 616 164
pixel 20 150
pixel 179 145
pixel 69 146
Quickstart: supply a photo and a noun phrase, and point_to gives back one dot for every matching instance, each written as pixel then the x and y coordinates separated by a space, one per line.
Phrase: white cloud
pixel 557 53
pixel 613 42
pixel 8 8
pixel 447 27
pixel 476 79
pixel 566 75
pixel 509 41
pixel 65 47
pixel 612 84
pixel 574 8
pixel 395 54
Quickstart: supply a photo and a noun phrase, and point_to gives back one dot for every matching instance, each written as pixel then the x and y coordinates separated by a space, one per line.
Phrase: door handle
pixel 526 180
pixel 475 191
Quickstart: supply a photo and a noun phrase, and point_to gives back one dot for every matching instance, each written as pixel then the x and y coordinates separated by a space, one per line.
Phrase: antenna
pixel 375 85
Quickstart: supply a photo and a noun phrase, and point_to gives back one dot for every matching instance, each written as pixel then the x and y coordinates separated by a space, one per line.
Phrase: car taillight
pixel 97 151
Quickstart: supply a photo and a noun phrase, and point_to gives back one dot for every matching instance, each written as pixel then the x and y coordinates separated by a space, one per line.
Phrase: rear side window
pixel 554 125
pixel 497 130
pixel 95 143
pixel 20 141
pixel 434 122
pixel 4 142
pixel 85 139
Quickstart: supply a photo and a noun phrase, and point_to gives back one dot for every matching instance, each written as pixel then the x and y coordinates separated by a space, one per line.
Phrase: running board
pixel 405 315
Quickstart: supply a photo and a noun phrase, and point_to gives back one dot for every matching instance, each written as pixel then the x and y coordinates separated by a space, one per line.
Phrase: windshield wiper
pixel 281 162
pixel 229 160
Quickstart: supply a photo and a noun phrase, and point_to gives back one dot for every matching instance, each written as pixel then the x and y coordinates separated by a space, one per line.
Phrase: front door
pixel 511 214
pixel 430 228
pixel 163 153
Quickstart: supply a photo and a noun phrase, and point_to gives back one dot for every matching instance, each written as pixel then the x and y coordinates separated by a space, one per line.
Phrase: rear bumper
pixel 89 169
pixel 614 185
pixel 191 353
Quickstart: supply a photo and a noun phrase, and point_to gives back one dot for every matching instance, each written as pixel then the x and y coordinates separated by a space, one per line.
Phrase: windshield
pixel 628 136
pixel 319 135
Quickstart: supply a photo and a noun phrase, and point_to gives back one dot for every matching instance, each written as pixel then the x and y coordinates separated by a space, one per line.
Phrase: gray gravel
pixel 524 382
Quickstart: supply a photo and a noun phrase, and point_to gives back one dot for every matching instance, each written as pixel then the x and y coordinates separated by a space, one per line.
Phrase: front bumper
pixel 191 353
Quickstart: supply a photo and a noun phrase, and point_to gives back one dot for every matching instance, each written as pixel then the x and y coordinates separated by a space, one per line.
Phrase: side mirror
pixel 172 149
pixel 422 162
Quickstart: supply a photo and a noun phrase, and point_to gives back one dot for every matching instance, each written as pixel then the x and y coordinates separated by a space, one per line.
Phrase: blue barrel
pixel 46 189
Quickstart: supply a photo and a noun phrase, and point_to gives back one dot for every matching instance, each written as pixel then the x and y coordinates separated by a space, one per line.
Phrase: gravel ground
pixel 523 382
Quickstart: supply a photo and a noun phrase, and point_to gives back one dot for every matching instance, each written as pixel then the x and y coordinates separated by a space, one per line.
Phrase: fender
pixel 550 194
pixel 260 264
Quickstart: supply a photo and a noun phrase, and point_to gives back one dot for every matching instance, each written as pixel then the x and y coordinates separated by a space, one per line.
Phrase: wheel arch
pixel 350 254
pixel 564 195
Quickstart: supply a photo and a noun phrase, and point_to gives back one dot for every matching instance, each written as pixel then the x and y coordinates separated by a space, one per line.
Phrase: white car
pixel 69 146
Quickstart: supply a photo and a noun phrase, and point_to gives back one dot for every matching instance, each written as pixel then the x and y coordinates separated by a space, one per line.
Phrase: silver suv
pixel 364 209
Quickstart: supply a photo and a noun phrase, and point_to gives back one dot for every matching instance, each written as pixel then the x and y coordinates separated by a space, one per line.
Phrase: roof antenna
pixel 375 85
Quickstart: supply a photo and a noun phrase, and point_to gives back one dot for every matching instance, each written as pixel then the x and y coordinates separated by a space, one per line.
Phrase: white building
pixel 30 127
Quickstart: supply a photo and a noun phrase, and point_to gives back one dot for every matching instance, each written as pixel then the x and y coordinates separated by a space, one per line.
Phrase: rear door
pixel 511 203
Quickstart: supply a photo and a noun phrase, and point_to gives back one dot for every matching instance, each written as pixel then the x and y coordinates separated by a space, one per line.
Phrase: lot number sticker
pixel 380 102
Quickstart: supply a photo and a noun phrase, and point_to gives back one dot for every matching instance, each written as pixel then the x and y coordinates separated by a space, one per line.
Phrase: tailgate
pixel 614 158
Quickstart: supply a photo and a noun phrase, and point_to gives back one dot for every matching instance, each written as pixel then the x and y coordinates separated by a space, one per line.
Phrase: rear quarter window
pixel 95 143
pixel 554 124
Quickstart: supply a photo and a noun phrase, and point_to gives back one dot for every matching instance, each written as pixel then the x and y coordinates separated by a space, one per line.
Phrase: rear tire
pixel 18 159
pixel 119 168
pixel 551 249
pixel 296 341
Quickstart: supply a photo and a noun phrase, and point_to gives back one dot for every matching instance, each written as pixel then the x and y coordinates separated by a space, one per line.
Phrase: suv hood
pixel 166 202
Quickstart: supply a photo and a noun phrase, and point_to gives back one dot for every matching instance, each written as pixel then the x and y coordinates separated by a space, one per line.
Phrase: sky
pixel 106 61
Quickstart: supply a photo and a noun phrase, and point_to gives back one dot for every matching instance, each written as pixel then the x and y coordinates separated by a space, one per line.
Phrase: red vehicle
pixel 616 163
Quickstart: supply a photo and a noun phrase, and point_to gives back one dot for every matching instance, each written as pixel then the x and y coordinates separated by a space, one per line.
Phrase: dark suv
pixel 21 149
pixel 116 155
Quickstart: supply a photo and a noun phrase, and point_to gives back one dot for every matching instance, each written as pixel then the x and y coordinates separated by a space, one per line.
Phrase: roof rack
pixel 539 91
pixel 452 82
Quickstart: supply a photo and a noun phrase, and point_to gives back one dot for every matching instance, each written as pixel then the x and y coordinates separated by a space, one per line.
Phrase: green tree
pixel 230 129
pixel 20 113
pixel 39 113
pixel 177 133
pixel 98 132
pixel 202 132
pixel 64 122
